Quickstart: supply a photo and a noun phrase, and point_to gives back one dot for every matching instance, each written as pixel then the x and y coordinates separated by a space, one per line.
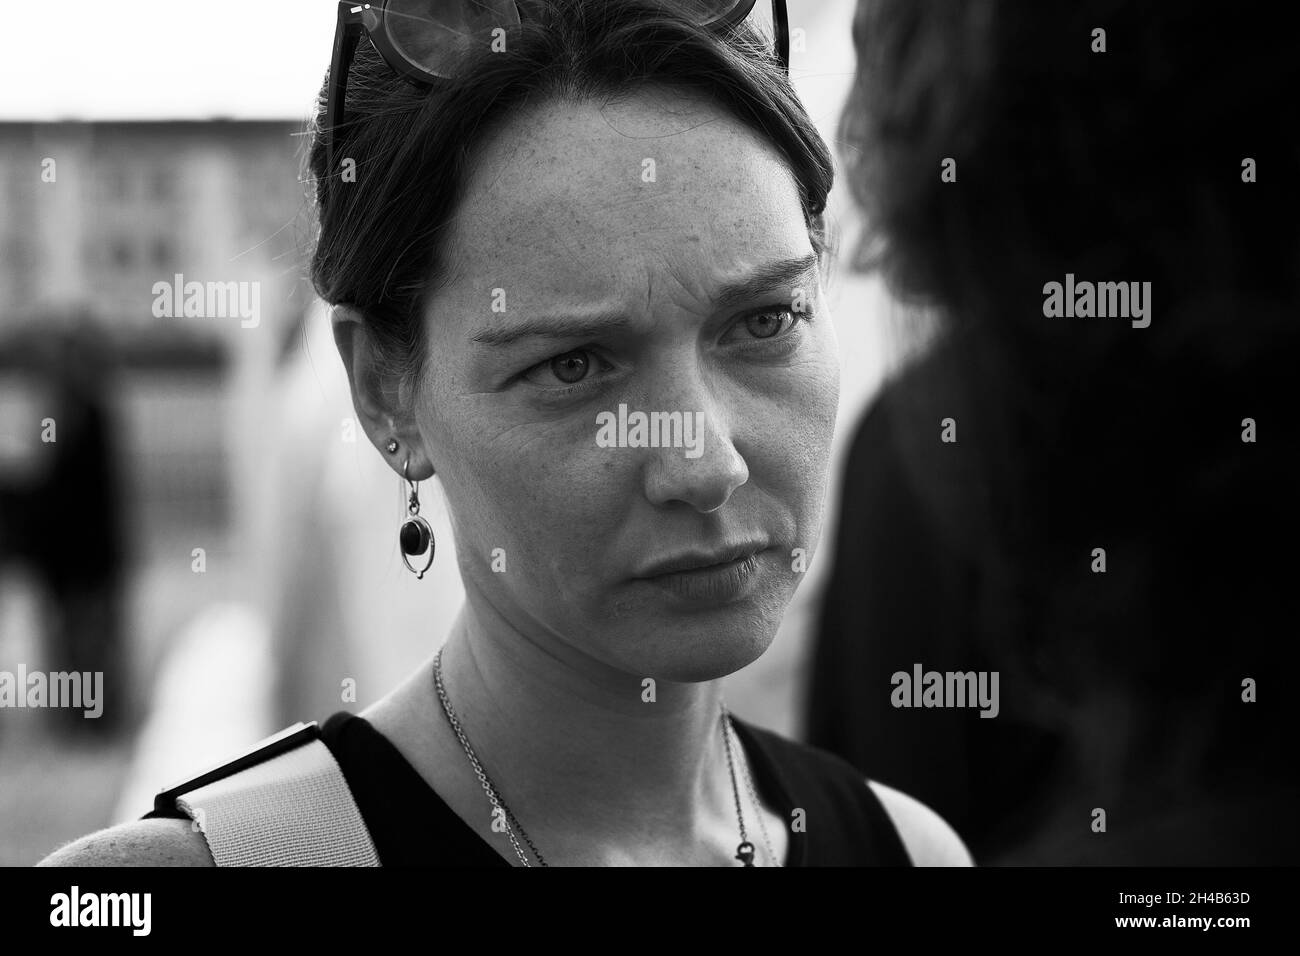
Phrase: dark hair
pixel 379 244
pixel 1123 165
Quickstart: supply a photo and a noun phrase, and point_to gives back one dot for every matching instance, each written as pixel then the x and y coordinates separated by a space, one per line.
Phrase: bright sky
pixel 197 59
pixel 180 59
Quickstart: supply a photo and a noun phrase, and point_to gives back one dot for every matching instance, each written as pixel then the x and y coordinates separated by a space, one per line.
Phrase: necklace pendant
pixel 745 853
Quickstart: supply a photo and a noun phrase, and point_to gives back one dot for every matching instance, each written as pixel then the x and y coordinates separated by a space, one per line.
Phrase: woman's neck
pixel 573 742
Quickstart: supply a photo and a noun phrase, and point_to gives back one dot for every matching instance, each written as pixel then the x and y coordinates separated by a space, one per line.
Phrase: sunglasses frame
pixel 354 19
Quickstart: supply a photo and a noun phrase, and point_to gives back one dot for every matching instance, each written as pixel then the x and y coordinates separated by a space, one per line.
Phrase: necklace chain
pixel 489 789
pixel 731 768
pixel 512 823
pixel 758 809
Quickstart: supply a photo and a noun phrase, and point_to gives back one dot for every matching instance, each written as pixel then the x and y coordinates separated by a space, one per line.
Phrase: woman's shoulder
pixel 262 788
pixel 929 839
pixel 811 775
pixel 149 842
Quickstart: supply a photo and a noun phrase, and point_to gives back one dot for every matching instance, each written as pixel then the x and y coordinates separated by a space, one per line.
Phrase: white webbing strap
pixel 292 810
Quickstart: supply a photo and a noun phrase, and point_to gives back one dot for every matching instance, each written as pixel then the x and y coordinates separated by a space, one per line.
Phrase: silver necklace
pixel 744 851
pixel 498 805
pixel 758 810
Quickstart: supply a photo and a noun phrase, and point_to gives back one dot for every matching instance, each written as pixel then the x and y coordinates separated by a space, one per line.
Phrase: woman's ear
pixel 825 237
pixel 375 396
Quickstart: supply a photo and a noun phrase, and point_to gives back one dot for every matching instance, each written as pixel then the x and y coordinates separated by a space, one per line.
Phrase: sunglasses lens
pixel 427 33
pixel 710 12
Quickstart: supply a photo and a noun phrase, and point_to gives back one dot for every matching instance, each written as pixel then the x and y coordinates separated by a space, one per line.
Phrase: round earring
pixel 392 446
pixel 416 535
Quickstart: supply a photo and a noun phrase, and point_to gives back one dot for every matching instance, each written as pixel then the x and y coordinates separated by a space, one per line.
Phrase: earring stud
pixel 392 446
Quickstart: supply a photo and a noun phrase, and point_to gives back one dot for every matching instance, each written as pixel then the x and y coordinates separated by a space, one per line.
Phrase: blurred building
pixel 95 213
pixel 93 216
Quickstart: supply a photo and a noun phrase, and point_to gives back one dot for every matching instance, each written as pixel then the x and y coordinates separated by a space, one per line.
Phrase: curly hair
pixel 1122 165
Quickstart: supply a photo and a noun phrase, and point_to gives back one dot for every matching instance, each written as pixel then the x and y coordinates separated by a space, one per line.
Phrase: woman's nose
pixel 698 464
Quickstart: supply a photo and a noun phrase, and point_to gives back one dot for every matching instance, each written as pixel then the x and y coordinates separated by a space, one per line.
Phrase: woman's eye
pixel 768 324
pixel 571 367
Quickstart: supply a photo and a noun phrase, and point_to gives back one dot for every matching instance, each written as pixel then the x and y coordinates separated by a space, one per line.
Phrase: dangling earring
pixel 416 535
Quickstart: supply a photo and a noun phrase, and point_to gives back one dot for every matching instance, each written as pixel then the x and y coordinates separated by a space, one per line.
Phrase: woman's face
pixel 645 256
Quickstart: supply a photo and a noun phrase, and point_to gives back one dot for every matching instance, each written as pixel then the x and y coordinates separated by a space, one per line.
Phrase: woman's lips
pixel 715 584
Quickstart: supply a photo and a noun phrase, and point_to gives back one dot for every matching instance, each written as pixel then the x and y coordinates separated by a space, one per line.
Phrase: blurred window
pixel 163 184
pixel 120 254
pixel 162 253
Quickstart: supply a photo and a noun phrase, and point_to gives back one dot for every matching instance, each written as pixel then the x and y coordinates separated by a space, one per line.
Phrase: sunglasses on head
pixel 421 38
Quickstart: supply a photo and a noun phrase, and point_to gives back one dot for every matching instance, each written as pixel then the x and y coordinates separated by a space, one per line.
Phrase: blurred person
pixel 61 516
pixel 619 206
pixel 1148 679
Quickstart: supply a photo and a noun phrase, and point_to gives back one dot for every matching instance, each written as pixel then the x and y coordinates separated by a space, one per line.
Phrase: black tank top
pixel 844 823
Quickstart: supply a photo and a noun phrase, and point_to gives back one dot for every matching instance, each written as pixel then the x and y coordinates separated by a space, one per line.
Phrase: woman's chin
pixel 691 655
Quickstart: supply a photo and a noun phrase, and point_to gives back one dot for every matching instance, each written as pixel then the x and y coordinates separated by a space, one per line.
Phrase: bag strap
pixel 286 803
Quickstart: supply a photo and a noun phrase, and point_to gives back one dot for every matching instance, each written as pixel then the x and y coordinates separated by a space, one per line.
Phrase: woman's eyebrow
pixel 781 275
pixel 553 327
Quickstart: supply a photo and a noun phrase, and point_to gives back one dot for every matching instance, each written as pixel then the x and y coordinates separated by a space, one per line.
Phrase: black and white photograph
pixel 465 434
